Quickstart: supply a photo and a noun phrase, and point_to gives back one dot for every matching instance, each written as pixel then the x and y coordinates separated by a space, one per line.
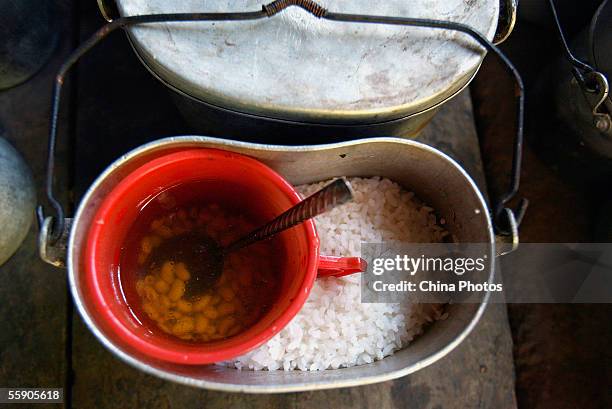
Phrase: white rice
pixel 334 329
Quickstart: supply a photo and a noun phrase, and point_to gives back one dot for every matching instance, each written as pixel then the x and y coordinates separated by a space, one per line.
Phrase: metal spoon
pixel 205 257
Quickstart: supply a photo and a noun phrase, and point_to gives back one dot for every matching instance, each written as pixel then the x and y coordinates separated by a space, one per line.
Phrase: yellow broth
pixel 155 287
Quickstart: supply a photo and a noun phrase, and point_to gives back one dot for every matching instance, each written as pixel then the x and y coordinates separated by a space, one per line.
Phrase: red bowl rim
pixel 187 355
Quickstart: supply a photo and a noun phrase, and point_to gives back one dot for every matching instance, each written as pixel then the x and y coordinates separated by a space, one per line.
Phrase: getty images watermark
pixel 467 272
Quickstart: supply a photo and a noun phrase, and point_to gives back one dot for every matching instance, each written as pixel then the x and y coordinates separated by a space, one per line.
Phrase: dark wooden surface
pixel 561 351
pixel 116 106
pixel 33 295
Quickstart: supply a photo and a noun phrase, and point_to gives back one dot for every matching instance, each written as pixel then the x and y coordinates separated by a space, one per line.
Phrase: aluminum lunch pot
pixel 431 174
pixel 294 72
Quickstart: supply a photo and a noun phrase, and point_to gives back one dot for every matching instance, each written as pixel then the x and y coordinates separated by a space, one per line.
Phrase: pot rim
pixel 469 62
pixel 308 117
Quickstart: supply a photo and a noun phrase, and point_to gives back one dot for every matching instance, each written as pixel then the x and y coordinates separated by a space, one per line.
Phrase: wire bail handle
pixel 55 226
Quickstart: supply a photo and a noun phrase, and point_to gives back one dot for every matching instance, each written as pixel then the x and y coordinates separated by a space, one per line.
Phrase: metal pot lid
pixel 296 67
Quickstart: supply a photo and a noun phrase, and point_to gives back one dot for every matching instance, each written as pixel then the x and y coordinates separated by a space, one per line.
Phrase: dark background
pixel 561 353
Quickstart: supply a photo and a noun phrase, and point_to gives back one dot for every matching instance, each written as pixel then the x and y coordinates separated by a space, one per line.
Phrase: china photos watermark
pixel 467 272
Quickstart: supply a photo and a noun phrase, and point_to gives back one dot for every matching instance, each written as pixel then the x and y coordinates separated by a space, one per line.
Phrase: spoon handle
pixel 336 193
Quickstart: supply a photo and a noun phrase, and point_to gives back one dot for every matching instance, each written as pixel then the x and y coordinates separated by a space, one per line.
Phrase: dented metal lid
pixel 297 67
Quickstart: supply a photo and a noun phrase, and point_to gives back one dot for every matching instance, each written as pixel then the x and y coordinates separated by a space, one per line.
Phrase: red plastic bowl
pixel 269 195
